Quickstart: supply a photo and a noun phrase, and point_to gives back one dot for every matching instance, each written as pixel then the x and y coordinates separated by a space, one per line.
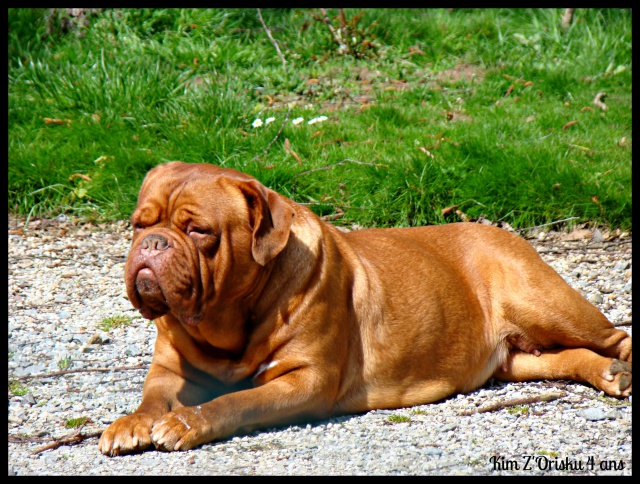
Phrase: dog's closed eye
pixel 197 231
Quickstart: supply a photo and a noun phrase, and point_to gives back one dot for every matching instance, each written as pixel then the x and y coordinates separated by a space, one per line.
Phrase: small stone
pixel 35 369
pixel 431 451
pixel 595 298
pixel 614 414
pixel 593 414
pixel 447 427
pixel 88 348
pixel 597 236
pixel 133 350
pixel 621 266
pixel 64 314
pixel 28 398
pixel 96 339
pixel 149 462
pixel 17 418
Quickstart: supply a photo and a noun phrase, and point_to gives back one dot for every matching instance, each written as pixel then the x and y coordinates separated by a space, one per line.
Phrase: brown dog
pixel 267 315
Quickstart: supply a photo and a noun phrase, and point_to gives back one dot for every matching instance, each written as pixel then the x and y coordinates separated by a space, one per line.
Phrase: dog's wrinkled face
pixel 201 234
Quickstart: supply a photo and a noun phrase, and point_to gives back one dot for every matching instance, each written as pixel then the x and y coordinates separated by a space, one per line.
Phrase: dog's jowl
pixel 268 315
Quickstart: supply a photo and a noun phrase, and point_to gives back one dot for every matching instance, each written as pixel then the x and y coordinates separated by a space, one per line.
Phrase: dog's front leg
pixel 132 433
pixel 299 393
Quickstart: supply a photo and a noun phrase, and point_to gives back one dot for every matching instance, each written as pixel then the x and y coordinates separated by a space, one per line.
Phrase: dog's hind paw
pixel 617 379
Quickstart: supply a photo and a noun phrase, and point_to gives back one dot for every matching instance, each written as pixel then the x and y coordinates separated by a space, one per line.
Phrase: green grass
pixel 17 388
pixel 112 322
pixel 65 363
pixel 518 410
pixel 395 418
pixel 424 107
pixel 73 423
pixel 612 401
pixel 550 453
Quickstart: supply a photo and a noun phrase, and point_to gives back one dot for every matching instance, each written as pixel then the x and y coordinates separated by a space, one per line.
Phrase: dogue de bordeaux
pixel 267 315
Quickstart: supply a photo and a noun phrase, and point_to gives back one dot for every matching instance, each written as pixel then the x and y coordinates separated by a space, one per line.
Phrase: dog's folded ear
pixel 271 219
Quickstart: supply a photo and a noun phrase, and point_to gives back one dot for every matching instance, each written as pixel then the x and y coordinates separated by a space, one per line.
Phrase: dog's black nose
pixel 154 242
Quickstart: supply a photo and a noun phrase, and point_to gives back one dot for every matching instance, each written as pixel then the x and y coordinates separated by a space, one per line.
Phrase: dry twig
pixel 545 225
pixel 273 41
pixel 336 37
pixel 83 370
pixel 328 167
pixel 567 18
pixel 334 216
pixel 544 397
pixel 70 439
pixel 284 71
pixel 626 322
pixel 286 118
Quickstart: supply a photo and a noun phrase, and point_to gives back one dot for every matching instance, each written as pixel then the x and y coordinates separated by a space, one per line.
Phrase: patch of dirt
pixel 361 89
pixel 453 116
pixel 467 72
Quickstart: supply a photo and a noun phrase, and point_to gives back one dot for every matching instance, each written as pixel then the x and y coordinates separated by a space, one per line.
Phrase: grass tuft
pixel 395 418
pixel 17 388
pixel 518 410
pixel 73 423
pixel 113 322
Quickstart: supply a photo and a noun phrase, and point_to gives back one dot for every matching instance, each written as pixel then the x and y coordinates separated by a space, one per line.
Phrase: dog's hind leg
pixel 541 308
pixel 610 375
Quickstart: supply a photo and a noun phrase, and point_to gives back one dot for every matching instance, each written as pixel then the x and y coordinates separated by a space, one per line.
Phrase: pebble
pixel 595 298
pixel 593 414
pixel 96 339
pixel 56 308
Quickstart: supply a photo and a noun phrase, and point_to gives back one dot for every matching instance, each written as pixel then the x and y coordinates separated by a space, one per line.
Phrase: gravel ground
pixel 66 280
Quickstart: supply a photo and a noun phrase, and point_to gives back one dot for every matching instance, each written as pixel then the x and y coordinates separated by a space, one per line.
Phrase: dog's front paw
pixel 127 435
pixel 182 429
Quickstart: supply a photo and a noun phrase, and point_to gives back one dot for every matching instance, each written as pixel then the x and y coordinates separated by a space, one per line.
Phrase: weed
pixel 65 362
pixel 518 410
pixel 418 411
pixel 395 418
pixel 73 423
pixel 550 453
pixel 612 401
pixel 113 322
pixel 17 388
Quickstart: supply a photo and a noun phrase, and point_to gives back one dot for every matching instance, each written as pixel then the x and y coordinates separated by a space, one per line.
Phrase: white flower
pixel 257 123
pixel 319 119
pixel 297 121
pixel 269 120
